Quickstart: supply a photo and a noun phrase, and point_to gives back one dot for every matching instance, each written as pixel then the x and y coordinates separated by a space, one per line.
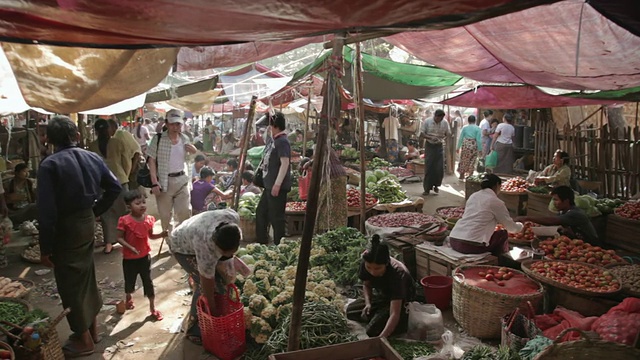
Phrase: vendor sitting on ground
pixel 576 224
pixel 247 184
pixel 21 196
pixel 383 311
pixel 411 151
pixel 203 188
pixel 556 174
pixel 230 180
pixel 475 232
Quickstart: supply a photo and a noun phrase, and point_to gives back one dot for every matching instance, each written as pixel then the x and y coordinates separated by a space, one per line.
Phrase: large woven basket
pixel 480 311
pixel 248 228
pixel 50 348
pixel 587 349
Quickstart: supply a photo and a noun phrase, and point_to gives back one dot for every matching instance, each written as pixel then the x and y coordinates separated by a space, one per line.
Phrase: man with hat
pixel 168 156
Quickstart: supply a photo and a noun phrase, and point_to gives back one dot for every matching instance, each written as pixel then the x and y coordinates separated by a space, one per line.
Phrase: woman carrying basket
pixel 202 245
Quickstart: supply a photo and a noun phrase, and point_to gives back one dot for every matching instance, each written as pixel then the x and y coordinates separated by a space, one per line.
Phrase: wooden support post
pixel 246 138
pixel 306 121
pixel 330 110
pixel 360 111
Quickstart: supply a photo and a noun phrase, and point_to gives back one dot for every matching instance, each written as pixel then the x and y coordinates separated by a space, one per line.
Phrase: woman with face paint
pixel 383 311
pixel 201 245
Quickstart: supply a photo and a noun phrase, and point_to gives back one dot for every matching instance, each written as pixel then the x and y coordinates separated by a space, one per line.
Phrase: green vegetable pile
pixel 341 250
pixel 585 202
pixel 534 347
pixel 484 352
pixel 539 189
pixel 248 205
pixel 377 163
pixel 607 206
pixel 350 153
pixel 409 350
pixel 475 178
pixel 387 191
pixel 12 312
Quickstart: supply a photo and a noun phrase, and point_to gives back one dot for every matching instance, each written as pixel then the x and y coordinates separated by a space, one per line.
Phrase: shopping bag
pixel 304 181
pixel 425 321
pixel 491 160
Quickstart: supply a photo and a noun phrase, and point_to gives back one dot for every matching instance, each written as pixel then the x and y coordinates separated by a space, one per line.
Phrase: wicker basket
pixel 480 311
pixel 586 349
pixel 50 348
pixel 24 303
pixel 248 228
pixel 28 284
pixel 5 346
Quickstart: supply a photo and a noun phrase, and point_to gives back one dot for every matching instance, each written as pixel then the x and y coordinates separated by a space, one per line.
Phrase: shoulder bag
pixel 144 175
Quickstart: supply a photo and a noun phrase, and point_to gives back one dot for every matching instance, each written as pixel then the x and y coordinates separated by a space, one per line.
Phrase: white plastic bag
pixel 425 322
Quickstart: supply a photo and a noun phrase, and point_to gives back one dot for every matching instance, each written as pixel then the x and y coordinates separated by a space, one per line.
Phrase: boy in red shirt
pixel 134 231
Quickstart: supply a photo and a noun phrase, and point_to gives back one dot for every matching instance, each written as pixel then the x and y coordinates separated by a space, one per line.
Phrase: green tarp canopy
pixel 629 94
pixel 386 79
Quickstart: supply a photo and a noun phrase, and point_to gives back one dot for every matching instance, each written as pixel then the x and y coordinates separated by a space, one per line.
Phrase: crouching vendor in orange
pixel 383 310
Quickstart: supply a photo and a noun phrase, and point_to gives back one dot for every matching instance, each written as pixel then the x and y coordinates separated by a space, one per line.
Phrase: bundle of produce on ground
pixel 485 352
pixel 32 254
pixel 400 172
pixel 516 184
pixel 378 163
pixel 411 349
pixel 296 206
pixel 267 293
pixel 629 275
pixel 565 248
pixel 387 191
pixel 247 205
pixel 451 212
pixel 630 210
pixel 474 178
pixel 400 219
pixel 12 312
pixel 577 275
pixel 539 189
pixel 353 199
pixel 10 288
pixel 607 206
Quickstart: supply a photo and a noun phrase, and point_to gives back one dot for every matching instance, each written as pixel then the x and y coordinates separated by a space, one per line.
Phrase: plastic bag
pixel 304 181
pixel 425 322
pixel 491 160
pixel 227 271
pixel 621 323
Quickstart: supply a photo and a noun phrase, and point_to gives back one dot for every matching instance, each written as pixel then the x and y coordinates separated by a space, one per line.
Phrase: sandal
pixel 70 352
pixel 156 315
pixel 195 339
pixel 105 249
pixel 130 305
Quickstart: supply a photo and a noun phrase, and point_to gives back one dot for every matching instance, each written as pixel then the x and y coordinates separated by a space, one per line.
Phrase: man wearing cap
pixel 168 155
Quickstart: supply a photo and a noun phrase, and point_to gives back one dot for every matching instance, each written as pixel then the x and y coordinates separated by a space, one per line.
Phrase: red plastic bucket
pixel 437 290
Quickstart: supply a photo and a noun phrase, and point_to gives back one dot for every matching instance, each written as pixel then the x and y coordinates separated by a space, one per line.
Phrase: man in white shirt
pixel 167 162
pixel 436 131
pixel 485 127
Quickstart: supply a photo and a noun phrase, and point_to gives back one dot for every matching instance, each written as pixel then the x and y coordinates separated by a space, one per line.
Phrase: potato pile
pixel 32 254
pixel 629 275
pixel 10 288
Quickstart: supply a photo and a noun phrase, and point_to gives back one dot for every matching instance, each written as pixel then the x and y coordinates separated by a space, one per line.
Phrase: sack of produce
pixel 621 323
pixel 425 322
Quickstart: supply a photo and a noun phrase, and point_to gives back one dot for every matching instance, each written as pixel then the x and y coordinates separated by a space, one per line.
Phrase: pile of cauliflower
pixel 267 294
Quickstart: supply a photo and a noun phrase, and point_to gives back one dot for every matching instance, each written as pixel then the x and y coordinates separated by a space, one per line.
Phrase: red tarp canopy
pixel 567 45
pixel 516 97
pixel 118 23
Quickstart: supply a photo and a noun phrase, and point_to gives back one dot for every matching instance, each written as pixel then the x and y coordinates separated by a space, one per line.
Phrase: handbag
pixel 144 174
pixel 303 184
pixel 258 177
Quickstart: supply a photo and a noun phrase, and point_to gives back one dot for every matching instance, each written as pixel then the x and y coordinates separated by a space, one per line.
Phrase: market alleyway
pixel 134 336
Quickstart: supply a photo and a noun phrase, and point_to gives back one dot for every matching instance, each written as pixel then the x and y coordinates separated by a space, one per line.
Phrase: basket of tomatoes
pixel 573 276
pixel 565 248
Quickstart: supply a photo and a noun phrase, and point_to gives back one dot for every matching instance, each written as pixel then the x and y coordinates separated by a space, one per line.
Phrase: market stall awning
pixel 517 97
pixel 126 23
pixel 183 90
pixel 386 79
pixel 630 94
pixel 65 79
pixel 567 45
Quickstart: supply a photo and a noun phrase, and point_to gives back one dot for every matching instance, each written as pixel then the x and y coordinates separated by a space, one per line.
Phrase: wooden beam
pixel 330 110
pixel 361 37
pixel 246 138
pixel 588 117
pixel 306 123
pixel 360 101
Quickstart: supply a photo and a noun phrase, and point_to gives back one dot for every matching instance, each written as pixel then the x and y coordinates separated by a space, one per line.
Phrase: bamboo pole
pixel 363 179
pixel 243 152
pixel 306 121
pixel 330 110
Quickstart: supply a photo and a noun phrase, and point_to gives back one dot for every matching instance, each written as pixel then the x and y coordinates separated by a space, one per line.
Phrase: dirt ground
pixel 134 336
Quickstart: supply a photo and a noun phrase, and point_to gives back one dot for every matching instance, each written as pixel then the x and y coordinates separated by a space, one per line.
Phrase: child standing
pixel 134 231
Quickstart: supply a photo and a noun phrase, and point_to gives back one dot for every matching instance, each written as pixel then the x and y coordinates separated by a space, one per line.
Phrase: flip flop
pixel 157 315
pixel 71 353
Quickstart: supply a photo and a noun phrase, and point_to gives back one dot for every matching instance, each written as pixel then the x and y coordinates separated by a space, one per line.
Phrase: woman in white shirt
pixel 475 232
pixel 503 144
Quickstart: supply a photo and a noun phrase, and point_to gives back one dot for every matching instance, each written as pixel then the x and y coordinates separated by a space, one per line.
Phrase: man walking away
pixel 74 186
pixel 435 130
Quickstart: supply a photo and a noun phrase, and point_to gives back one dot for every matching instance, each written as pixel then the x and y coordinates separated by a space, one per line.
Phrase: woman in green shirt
pixel 470 141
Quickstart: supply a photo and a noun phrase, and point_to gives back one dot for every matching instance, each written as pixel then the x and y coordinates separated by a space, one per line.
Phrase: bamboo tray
pixel 548 281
